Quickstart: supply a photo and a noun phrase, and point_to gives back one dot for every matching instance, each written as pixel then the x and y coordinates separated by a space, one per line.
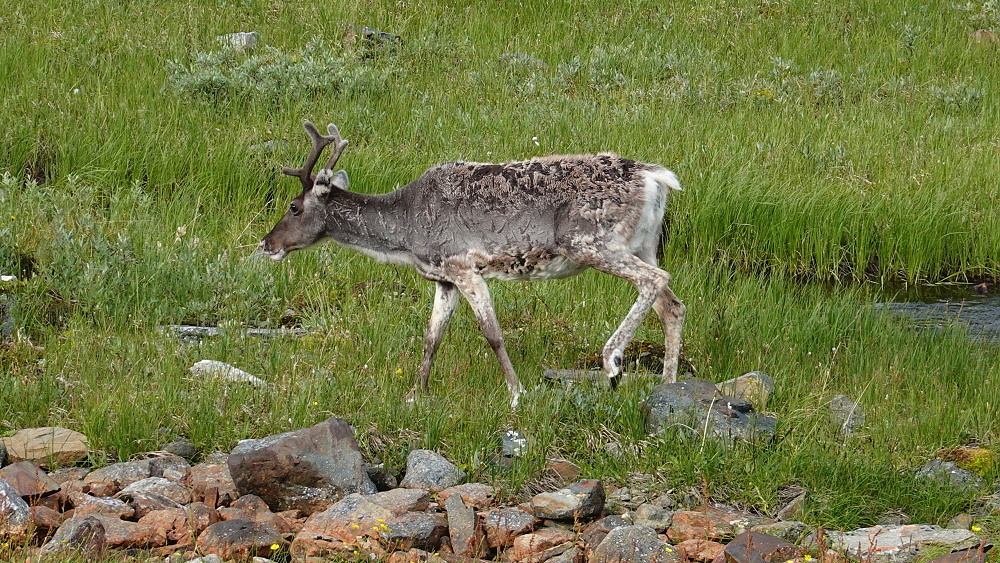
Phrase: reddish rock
pixel 563 469
pixel 504 524
pixel 28 479
pixel 346 525
pixel 241 540
pixel 700 550
pixel 402 500
pixel 252 507
pixel 212 474
pixel 467 538
pixel 710 524
pixel 65 474
pixel 530 544
pixel 107 481
pixel 478 496
pixel 46 446
pixel 171 467
pixel 755 547
pixel 44 520
pixel 173 521
pixel 124 534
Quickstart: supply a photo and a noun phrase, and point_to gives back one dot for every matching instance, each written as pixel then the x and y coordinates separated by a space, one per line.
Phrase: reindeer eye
pixel 295 209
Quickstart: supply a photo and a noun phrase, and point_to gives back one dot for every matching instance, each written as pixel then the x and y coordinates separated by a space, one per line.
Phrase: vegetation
pixel 828 151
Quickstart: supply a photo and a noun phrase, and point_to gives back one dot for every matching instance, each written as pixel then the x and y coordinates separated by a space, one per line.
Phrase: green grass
pixel 832 143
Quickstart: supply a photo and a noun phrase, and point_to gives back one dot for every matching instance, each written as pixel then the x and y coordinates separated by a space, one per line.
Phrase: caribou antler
pixel 320 142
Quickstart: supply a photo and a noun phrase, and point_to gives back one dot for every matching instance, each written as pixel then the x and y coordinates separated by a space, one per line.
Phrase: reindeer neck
pixel 369 223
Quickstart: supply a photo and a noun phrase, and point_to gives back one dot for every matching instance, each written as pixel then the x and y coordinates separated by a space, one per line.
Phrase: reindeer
pixel 461 223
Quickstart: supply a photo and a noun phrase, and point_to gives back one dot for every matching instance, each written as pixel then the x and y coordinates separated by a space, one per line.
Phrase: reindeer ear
pixel 326 179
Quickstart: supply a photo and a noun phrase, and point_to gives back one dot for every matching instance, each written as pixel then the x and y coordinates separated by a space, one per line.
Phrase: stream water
pixel 951 307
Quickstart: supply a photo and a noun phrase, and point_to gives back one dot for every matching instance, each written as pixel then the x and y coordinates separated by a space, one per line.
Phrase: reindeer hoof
pixel 614 382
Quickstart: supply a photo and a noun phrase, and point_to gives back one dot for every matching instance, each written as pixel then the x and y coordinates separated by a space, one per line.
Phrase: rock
pixel 125 534
pixel 225 372
pixel 28 479
pixel 794 509
pixel 44 520
pixel 977 555
pixel 653 517
pixel 242 41
pixel 595 533
pixel 382 477
pixel 846 414
pixel 348 523
pixel 477 495
pixel 755 547
pixel 513 444
pixel 429 470
pixel 529 545
pixel 637 544
pixel 467 538
pixel 704 551
pixel 171 467
pixel 108 480
pixel 502 525
pixel 252 507
pixel 960 522
pixel 949 474
pixel 241 540
pixel 695 406
pixel 15 517
pixel 213 474
pixel 85 505
pixel 755 387
pixel 713 523
pixel 77 537
pixel 181 447
pixel 420 530
pixel 46 446
pixel 563 469
pixel 159 486
pixel 307 469
pixel 65 474
pixel 898 544
pixel 582 500
pixel 789 530
pixel 144 502
pixel 174 523
pixel 399 501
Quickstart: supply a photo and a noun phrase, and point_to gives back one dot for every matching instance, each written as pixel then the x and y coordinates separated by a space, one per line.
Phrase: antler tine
pixel 319 142
pixel 338 147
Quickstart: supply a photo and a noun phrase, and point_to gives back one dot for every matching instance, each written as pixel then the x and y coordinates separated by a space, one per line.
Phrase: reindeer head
pixel 305 221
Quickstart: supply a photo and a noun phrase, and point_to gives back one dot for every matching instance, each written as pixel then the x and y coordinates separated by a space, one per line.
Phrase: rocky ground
pixel 308 495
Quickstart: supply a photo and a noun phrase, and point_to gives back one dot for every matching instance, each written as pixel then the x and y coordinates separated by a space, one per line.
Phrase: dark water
pixel 959 306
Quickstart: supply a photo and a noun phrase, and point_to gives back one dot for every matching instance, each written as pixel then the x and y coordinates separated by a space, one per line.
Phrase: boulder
pixel 349 523
pixel 898 543
pixel 307 469
pixel 47 446
pixel 695 407
pixel 637 544
pixel 582 500
pixel 77 537
pixel 426 469
pixel 241 540
pixel 28 479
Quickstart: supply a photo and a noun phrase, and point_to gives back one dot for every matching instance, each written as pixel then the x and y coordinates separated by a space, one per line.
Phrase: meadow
pixel 831 154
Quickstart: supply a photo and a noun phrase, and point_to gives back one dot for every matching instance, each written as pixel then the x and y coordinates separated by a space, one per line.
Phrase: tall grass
pixel 837 142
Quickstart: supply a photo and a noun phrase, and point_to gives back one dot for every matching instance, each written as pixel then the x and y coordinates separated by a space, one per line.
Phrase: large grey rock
pixel 580 501
pixel 637 544
pixel 47 446
pixel 696 407
pixel 426 469
pixel 15 517
pixel 898 543
pixel 949 474
pixel 307 469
